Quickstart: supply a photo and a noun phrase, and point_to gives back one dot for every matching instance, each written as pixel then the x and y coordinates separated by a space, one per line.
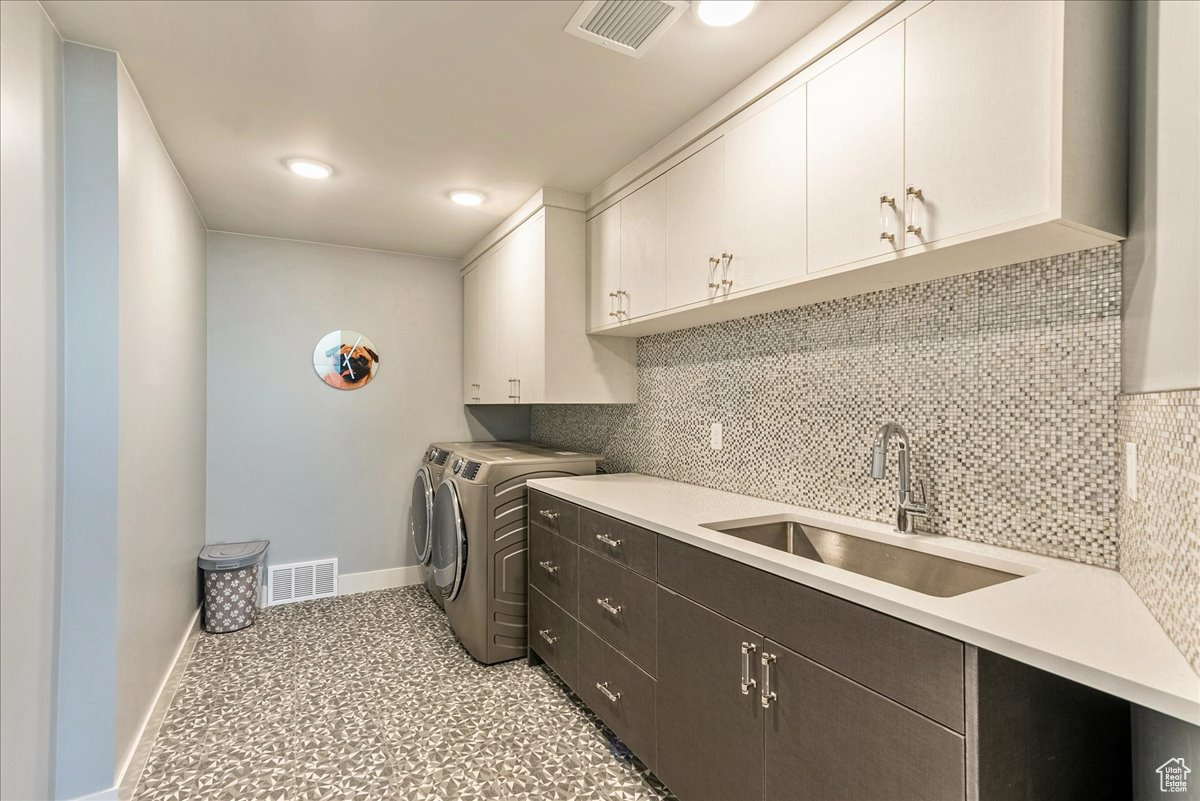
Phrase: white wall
pixel 318 471
pixel 30 265
pixel 162 374
pixel 1161 294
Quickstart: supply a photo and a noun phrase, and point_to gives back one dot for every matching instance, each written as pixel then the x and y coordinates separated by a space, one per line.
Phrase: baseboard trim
pixel 351 583
pixel 135 761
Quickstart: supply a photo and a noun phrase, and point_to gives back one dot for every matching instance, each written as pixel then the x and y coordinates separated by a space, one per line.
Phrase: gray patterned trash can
pixel 231 582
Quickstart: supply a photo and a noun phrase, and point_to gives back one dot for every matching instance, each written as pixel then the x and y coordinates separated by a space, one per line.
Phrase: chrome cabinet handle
pixel 607 606
pixel 612 304
pixel 609 541
pixel 621 310
pixel 514 385
pixel 602 686
pixel 747 680
pixel 767 696
pixel 545 634
pixel 549 566
pixel 910 210
pixel 713 263
pixel 726 281
pixel 549 515
pixel 885 202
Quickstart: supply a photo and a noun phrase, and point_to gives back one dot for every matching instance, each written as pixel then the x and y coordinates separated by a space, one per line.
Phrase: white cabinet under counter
pixel 944 137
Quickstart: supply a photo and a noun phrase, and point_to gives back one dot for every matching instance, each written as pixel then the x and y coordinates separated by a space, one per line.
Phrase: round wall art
pixel 345 360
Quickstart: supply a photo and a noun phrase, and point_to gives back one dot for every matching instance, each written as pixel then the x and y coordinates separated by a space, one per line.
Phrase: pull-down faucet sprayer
pixel 906 508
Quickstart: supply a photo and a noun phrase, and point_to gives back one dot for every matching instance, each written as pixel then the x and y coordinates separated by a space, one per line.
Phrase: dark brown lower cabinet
pixel 710 735
pixel 829 738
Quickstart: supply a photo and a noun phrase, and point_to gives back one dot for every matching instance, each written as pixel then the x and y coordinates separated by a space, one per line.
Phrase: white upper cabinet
pixel 524 298
pixel 765 203
pixel 978 96
pixel 856 155
pixel 604 266
pixel 642 288
pixel 695 215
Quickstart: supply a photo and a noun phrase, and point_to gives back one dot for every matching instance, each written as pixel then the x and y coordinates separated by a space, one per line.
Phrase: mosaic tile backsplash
pixel 1006 381
pixel 1160 531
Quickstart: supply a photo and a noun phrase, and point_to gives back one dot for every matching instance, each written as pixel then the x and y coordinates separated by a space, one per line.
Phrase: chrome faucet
pixel 906 507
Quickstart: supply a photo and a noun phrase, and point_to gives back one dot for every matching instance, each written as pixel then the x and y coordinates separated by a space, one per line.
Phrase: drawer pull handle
pixel 607 606
pixel 549 566
pixel 767 695
pixel 747 680
pixel 602 686
pixel 545 633
pixel 546 513
pixel 609 541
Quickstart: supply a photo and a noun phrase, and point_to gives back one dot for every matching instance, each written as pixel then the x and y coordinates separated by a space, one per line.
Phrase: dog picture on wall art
pixel 345 360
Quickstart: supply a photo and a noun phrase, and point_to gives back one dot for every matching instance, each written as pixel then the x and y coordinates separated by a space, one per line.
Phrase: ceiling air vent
pixel 627 26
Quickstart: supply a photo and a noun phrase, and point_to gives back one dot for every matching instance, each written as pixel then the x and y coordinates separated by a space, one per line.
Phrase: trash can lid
pixel 232 555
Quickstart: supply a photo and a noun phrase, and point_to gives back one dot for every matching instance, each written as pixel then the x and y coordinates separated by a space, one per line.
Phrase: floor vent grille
pixel 627 26
pixel 301 581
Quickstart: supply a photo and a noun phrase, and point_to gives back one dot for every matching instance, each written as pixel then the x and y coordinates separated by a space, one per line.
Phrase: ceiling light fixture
pixel 722 13
pixel 308 168
pixel 464 197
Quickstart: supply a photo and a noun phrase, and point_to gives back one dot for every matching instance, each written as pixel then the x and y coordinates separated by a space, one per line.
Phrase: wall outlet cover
pixel 715 436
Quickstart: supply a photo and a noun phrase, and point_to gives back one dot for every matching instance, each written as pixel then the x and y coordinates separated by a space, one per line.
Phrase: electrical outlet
pixel 1131 476
pixel 715 435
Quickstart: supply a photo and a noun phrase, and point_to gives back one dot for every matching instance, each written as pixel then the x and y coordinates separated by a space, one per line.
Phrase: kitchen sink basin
pixel 915 570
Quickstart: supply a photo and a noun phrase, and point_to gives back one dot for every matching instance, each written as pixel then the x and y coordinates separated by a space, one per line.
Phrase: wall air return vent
pixel 301 581
pixel 627 26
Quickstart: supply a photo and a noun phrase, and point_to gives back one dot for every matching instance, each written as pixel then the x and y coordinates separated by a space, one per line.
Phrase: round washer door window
pixel 449 556
pixel 421 516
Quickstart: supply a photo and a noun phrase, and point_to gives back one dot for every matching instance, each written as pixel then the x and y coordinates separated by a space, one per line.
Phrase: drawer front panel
pixel 554 514
pixel 554 567
pixel 914 666
pixel 553 635
pixel 620 693
pixel 620 606
pixel 635 548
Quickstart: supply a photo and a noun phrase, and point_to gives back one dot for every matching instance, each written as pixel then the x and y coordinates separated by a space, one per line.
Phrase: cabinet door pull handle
pixel 602 686
pixel 912 194
pixel 886 201
pixel 767 695
pixel 621 310
pixel 549 566
pixel 747 680
pixel 549 515
pixel 609 541
pixel 726 281
pixel 545 634
pixel 713 262
pixel 607 606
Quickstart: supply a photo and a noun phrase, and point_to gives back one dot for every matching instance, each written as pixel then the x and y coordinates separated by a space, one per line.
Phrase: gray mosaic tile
pixel 370 697
pixel 1006 381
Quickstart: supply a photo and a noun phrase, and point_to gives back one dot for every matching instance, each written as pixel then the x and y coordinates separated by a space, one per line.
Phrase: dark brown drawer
pixel 554 514
pixel 914 666
pixel 625 544
pixel 553 635
pixel 620 693
pixel 620 606
pixel 554 567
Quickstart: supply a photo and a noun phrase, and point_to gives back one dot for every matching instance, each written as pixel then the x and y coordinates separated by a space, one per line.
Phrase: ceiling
pixel 408 100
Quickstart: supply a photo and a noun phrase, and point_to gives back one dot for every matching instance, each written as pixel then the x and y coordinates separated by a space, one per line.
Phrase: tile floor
pixel 371 697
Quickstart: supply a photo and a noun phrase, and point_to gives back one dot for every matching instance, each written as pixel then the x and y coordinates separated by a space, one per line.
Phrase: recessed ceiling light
pixel 308 168
pixel 721 13
pixel 466 198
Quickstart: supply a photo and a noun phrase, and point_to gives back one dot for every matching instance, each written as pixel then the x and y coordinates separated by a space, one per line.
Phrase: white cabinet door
pixel 644 250
pixel 603 265
pixel 474 342
pixel 765 196
pixel 504 309
pixel 856 155
pixel 528 258
pixel 977 104
pixel 695 224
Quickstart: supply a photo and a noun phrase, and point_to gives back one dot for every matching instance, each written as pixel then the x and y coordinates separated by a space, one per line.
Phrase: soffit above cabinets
pixel 408 100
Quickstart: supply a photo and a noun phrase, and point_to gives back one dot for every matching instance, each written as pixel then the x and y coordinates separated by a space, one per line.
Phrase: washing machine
pixel 479 536
pixel 425 484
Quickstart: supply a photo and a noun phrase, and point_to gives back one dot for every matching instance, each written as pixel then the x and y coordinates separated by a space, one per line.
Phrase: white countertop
pixel 1081 622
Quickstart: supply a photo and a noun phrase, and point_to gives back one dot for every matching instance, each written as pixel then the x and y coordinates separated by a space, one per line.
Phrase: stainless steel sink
pixel 924 572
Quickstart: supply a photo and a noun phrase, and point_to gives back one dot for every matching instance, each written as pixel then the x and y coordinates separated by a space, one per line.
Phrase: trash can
pixel 231 581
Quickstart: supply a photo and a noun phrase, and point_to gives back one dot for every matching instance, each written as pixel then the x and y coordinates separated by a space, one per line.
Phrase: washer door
pixel 421 516
pixel 449 558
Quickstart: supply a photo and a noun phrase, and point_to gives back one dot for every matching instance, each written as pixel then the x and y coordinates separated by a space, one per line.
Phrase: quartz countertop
pixel 1081 622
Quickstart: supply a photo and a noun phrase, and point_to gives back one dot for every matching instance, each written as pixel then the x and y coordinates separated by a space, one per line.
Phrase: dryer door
pixel 420 518
pixel 449 549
